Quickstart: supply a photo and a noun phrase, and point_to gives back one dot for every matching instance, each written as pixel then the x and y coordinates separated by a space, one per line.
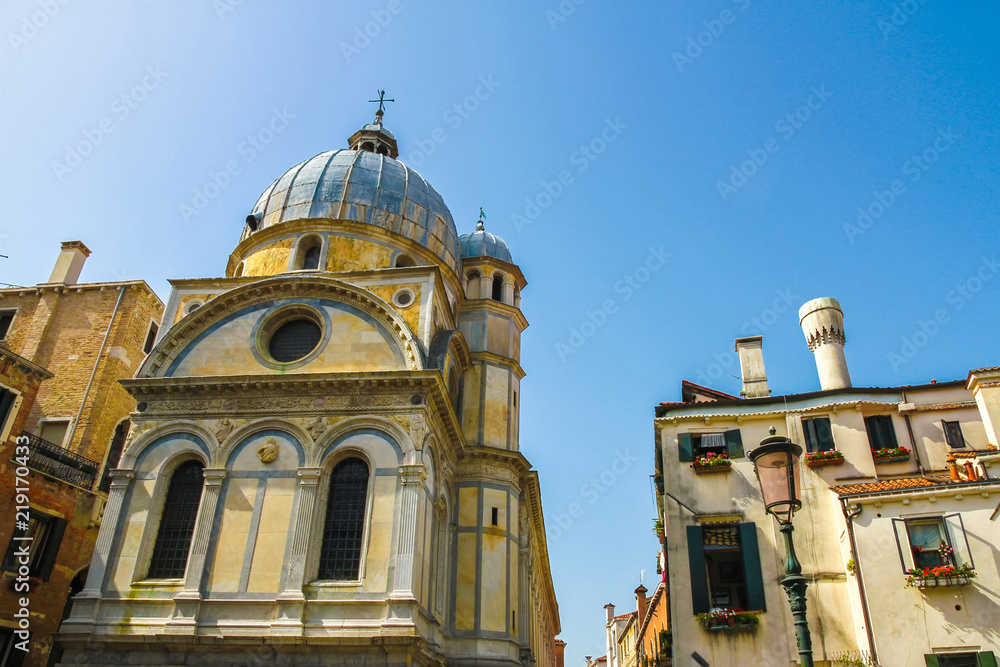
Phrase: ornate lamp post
pixel 776 463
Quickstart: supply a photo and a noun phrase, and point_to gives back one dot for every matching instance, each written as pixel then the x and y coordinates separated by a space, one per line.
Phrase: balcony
pixel 54 461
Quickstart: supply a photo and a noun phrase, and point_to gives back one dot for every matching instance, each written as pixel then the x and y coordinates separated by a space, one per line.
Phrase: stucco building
pixel 325 464
pixel 63 420
pixel 900 496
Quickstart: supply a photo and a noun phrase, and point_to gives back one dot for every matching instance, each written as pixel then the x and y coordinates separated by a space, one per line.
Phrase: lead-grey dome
pixel 481 243
pixel 366 187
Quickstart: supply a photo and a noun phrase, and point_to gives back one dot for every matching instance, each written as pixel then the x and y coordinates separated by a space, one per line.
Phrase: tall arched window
pixel 343 530
pixel 114 454
pixel 180 509
pixel 498 287
pixel 310 260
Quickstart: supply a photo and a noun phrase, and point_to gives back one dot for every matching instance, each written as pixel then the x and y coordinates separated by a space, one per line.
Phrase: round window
pixel 294 340
pixel 403 297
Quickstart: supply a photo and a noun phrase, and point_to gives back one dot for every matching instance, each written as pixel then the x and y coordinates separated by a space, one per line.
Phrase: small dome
pixel 481 243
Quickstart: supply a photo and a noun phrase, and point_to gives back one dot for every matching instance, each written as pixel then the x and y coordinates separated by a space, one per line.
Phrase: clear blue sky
pixel 837 106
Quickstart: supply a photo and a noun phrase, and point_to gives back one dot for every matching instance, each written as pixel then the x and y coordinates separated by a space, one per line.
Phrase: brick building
pixel 63 348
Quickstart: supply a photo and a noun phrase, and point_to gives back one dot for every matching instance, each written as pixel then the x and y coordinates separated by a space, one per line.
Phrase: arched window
pixel 114 454
pixel 343 530
pixel 310 259
pixel 180 509
pixel 498 287
pixel 405 260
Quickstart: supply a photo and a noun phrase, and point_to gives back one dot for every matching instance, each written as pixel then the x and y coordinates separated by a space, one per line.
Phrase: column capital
pixel 414 473
pixel 121 478
pixel 214 476
pixel 309 476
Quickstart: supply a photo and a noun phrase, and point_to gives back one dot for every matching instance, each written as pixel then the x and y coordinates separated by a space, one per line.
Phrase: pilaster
pixel 291 601
pixel 411 477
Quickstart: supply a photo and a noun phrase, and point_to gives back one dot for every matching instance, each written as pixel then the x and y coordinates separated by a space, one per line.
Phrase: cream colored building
pixel 324 464
pixel 865 519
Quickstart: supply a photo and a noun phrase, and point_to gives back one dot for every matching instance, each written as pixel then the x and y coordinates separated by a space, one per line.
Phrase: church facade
pixel 324 462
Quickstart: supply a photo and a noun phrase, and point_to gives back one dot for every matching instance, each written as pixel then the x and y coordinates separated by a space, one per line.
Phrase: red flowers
pixel 712 460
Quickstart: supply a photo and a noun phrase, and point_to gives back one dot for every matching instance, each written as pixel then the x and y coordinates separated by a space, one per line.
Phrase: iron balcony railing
pixel 51 459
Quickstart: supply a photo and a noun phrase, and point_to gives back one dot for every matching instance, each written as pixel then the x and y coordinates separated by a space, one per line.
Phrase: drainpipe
pixel 913 441
pixel 93 373
pixel 849 517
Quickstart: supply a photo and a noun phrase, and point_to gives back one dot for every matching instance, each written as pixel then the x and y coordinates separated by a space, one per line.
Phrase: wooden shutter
pixel 903 544
pixel 751 567
pixel 734 444
pixel 685 447
pixel 699 575
pixel 958 539
pixel 824 434
pixel 809 430
pixel 931 660
pixel 986 659
pixel 48 558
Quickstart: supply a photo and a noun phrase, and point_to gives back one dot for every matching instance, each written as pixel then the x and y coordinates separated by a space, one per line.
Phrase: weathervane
pixel 381 105
pixel 479 225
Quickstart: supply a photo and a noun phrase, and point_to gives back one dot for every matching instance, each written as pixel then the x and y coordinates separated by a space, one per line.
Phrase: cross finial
pixel 479 225
pixel 381 105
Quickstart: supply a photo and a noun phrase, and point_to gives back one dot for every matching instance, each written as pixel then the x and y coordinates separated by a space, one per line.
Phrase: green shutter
pixel 986 659
pixel 809 431
pixel 685 448
pixel 931 660
pixel 734 444
pixel 699 575
pixel 751 567
pixel 52 543
pixel 824 434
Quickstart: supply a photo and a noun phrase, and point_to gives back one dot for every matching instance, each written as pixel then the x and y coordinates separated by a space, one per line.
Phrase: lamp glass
pixel 777 471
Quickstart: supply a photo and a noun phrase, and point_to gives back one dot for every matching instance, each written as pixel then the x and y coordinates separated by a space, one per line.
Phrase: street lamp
pixel 776 463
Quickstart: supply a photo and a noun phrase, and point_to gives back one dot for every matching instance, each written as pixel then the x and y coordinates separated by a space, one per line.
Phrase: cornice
pixel 496 359
pixel 24 364
pixel 706 413
pixel 479 305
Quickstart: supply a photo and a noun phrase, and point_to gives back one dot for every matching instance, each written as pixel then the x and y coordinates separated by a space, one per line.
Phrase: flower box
pixel 819 459
pixel 936 582
pixel 893 455
pixel 729 620
pixel 706 464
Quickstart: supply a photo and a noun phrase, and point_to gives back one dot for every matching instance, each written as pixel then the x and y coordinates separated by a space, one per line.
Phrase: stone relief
pixel 268 452
pixel 315 427
pixel 223 428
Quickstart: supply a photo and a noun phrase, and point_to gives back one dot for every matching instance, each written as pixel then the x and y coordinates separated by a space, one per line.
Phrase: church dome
pixel 362 186
pixel 481 243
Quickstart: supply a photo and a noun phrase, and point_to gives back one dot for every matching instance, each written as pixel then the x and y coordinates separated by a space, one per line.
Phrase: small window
pixel 953 435
pixel 310 260
pixel 7 398
pixel 192 306
pixel 819 435
pixel 180 511
pixel 498 287
pixel 881 434
pixel 10 654
pixel 984 659
pixel 6 317
pixel 54 431
pixel 725 567
pixel 690 445
pixel 45 533
pixel 931 542
pixel 150 337
pixel 403 261
pixel 343 530
pixel 495 516
pixel 294 340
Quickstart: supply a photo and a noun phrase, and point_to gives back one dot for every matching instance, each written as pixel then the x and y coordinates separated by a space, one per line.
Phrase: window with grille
pixel 343 530
pixel 725 567
pixel 180 510
pixel 294 340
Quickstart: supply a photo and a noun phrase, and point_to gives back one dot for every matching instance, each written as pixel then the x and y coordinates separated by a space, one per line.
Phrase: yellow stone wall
pixel 270 260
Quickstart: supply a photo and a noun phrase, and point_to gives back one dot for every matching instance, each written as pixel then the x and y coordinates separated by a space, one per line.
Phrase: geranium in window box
pixel 736 620
pixel 945 575
pixel 710 463
pixel 829 458
pixel 891 455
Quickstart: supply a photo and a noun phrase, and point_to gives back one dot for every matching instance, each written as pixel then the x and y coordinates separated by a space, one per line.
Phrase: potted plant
pixel 891 454
pixel 711 463
pixel 729 619
pixel 944 575
pixel 829 458
pixel 658 529
pixel 658 481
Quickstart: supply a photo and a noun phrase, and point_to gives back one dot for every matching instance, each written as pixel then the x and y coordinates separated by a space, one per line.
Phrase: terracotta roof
pixel 624 616
pixel 884 485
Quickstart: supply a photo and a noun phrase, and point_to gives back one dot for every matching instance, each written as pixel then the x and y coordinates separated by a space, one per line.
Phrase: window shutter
pixel 809 430
pixel 699 576
pixel 824 434
pixel 903 544
pixel 931 660
pixel 685 448
pixel 734 444
pixel 889 432
pixel 48 559
pixel 986 659
pixel 958 539
pixel 751 567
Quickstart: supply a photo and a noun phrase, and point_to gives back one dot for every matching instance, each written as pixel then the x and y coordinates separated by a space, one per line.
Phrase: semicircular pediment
pixel 324 325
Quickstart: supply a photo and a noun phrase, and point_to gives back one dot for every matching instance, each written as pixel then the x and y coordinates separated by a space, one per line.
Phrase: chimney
pixel 560 653
pixel 640 603
pixel 610 609
pixel 822 323
pixel 70 263
pixel 752 367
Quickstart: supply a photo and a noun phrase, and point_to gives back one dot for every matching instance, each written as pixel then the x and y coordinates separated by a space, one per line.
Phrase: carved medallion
pixel 268 452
